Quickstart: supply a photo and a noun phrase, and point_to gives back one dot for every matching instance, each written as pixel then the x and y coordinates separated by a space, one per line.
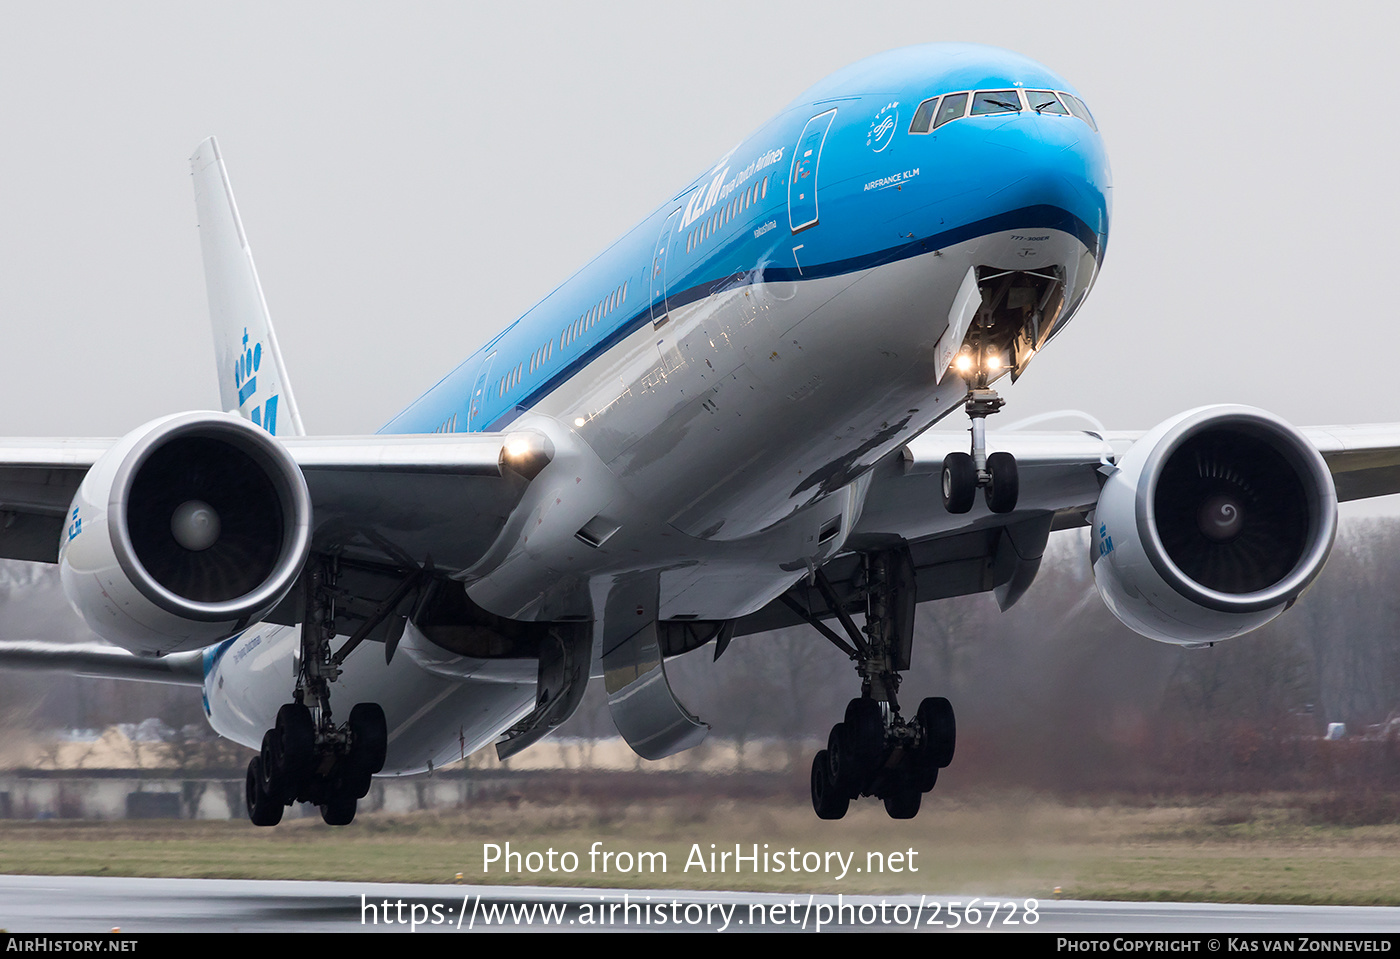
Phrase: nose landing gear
pixel 875 751
pixel 994 473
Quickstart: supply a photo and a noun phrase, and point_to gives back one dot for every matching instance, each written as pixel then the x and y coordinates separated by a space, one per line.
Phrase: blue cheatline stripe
pixel 213 654
pixel 1042 216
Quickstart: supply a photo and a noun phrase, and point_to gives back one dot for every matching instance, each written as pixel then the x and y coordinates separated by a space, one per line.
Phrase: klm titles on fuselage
pixel 704 199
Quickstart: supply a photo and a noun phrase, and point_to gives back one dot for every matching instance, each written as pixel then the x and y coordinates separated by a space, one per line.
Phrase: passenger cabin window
pixel 718 220
pixel 585 322
pixel 989 102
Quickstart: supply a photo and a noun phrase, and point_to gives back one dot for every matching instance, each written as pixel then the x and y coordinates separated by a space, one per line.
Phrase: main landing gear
pixel 306 757
pixel 875 751
pixel 995 474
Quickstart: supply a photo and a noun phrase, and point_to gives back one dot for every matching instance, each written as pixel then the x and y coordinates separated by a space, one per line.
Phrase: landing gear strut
pixel 994 473
pixel 306 757
pixel 875 751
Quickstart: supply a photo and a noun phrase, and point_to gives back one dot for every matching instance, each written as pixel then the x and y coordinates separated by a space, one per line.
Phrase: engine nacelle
pixel 1213 524
pixel 185 531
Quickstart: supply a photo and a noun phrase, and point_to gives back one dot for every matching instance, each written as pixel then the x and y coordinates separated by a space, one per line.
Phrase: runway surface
pixel 89 904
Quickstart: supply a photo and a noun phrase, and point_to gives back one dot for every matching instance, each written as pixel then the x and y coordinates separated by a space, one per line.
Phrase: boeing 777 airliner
pixel 715 428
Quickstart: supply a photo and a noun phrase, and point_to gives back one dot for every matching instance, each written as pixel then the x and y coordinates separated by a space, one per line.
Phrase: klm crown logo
pixel 245 378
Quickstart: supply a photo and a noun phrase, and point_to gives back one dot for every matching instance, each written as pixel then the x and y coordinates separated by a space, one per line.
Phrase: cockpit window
pixel 1044 101
pixel 951 109
pixel 989 102
pixel 1077 107
pixel 923 117
pixel 936 111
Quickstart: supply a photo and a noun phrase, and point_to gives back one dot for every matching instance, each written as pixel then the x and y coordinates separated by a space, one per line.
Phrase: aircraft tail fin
pixel 252 378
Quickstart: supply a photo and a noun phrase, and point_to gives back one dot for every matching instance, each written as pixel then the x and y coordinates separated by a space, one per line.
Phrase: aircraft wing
pixel 38 478
pixel 955 555
pixel 103 662
pixel 1061 473
pixel 1060 477
pixel 379 499
pixel 1364 460
pixel 448 496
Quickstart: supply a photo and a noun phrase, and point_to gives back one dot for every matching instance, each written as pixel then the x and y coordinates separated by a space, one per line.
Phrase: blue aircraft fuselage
pixel 838 194
pixel 879 200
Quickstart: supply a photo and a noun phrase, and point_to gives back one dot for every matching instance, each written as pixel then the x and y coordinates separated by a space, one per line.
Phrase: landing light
pixel 526 452
pixel 579 421
pixel 963 364
pixel 993 362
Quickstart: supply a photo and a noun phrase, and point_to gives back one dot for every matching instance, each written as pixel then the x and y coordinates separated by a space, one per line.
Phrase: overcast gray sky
pixel 413 176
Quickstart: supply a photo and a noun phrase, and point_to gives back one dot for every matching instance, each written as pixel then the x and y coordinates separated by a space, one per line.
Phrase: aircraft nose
pixel 1077 156
pixel 1026 169
pixel 1062 164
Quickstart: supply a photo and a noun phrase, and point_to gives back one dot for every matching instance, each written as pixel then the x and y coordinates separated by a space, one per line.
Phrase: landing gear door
pixel 965 307
pixel 802 183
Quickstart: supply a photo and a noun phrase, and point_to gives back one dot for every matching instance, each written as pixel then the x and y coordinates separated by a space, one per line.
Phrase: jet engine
pixel 1212 525
pixel 185 531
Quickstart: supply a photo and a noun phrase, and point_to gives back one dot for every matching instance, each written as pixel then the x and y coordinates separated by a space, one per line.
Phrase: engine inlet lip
pixel 1297 452
pixel 291 490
